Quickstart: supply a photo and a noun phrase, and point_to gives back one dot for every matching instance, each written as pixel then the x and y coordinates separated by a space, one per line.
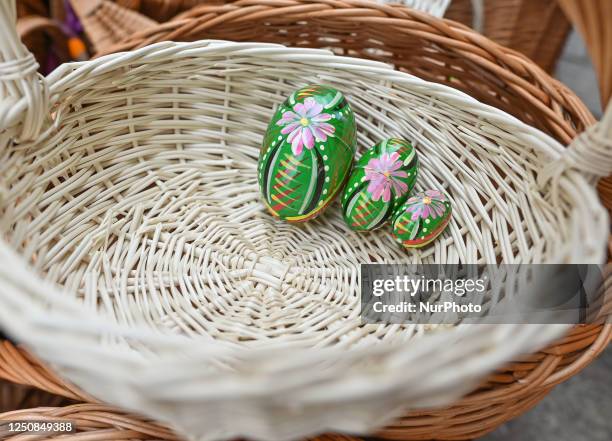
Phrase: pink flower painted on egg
pixel 430 203
pixel 305 125
pixel 382 173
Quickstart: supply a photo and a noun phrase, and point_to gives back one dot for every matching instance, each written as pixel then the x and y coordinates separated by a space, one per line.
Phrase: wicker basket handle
pixel 590 153
pixel 24 96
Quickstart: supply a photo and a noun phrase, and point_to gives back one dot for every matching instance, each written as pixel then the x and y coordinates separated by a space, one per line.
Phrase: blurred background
pixel 574 68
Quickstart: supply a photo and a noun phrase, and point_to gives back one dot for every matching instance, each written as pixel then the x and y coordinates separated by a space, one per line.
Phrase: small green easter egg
pixel 380 182
pixel 307 153
pixel 421 219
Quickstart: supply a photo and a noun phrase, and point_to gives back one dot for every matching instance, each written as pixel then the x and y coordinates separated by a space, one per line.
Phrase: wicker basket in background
pixel 537 29
pixel 91 420
pixel 32 7
pixel 105 22
pixel 467 61
pixel 456 56
pixel 17 397
pixel 437 50
pixel 39 27
pixel 41 35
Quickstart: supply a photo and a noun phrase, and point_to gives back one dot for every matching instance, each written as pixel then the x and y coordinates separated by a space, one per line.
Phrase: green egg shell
pixel 307 153
pixel 421 219
pixel 371 196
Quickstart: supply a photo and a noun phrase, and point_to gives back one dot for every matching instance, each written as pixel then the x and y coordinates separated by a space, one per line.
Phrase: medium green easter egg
pixel 307 153
pixel 421 219
pixel 379 183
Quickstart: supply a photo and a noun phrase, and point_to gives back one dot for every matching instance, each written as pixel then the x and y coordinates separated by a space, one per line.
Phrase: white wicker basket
pixel 138 260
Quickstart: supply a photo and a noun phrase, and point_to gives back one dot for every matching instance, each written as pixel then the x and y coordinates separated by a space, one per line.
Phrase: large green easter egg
pixel 307 153
pixel 421 219
pixel 380 182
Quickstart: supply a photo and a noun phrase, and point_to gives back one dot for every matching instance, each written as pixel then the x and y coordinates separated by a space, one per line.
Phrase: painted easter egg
pixel 379 183
pixel 421 219
pixel 307 153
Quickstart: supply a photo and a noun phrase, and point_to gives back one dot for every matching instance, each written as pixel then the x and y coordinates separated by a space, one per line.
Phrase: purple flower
pixel 383 173
pixel 305 125
pixel 427 204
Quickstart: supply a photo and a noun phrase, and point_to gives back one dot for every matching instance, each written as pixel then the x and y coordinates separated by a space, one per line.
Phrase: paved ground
pixel 574 69
pixel 581 408
pixel 578 410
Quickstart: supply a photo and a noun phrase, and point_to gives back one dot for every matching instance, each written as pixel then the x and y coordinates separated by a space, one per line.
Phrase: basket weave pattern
pixel 436 50
pixel 19 403
pixel 537 29
pixel 169 164
pixel 106 22
pixel 91 421
pixel 502 396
